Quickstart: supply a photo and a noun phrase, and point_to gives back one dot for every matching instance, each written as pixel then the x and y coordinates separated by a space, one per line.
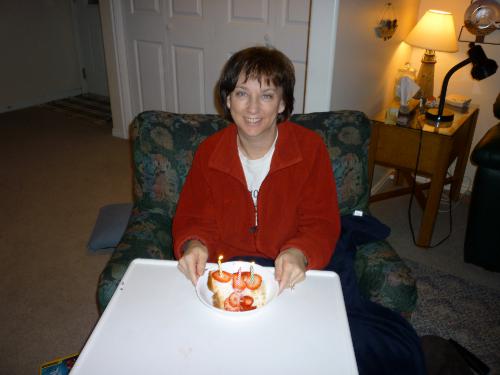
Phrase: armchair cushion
pixel 163 148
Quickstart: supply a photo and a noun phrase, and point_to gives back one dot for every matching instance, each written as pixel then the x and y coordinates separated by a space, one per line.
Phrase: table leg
pixel 421 199
pixel 371 154
pixel 398 177
pixel 432 204
pixel 458 173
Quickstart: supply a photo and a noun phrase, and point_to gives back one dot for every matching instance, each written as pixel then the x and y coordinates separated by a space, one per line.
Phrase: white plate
pixel 205 295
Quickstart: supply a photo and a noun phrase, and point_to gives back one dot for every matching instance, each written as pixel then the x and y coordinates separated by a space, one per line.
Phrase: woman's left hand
pixel 290 268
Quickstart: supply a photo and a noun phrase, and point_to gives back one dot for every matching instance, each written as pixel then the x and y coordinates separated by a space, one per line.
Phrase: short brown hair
pixel 258 63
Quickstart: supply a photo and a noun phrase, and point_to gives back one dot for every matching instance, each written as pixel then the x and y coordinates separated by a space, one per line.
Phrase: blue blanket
pixel 384 342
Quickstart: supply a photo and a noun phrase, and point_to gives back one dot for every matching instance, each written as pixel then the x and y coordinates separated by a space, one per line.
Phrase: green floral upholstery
pixel 163 148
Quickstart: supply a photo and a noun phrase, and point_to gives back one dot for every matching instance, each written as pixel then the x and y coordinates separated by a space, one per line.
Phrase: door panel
pixel 146 6
pixel 249 11
pixel 150 75
pixel 189 78
pixel 186 7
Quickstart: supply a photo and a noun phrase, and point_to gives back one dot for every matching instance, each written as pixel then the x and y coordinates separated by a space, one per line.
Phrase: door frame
pixel 319 70
pixel 76 33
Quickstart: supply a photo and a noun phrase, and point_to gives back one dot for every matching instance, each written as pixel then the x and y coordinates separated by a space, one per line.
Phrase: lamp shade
pixel 434 31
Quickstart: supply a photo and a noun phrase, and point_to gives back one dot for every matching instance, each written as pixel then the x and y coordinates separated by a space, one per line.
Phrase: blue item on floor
pixel 110 226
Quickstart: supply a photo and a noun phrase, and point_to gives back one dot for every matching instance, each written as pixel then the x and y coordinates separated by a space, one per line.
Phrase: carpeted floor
pixel 447 257
pixel 455 308
pixel 56 172
pixel 457 300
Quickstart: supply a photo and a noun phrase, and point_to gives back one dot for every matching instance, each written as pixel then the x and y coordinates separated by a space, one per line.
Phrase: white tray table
pixel 155 324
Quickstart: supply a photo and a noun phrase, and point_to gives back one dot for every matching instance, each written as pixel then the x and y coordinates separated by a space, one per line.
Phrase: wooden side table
pixel 397 147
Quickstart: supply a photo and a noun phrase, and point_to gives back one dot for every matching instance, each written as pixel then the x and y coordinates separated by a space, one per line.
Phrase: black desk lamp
pixel 482 67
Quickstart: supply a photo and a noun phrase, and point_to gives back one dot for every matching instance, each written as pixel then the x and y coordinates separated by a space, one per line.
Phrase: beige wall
pixel 365 66
pixel 482 92
pixel 39 60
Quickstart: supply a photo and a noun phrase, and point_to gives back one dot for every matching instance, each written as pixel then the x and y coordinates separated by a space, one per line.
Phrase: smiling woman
pixel 268 168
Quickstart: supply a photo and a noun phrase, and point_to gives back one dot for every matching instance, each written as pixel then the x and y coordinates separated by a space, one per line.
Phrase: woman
pixel 263 187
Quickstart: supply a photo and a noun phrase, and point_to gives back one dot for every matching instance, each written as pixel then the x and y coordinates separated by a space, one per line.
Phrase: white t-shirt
pixel 256 170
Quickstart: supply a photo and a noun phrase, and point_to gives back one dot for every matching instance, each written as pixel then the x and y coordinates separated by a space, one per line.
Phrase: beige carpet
pixel 447 257
pixel 56 172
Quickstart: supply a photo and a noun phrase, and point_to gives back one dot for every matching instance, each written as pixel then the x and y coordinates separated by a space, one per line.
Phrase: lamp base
pixel 443 121
pixel 425 77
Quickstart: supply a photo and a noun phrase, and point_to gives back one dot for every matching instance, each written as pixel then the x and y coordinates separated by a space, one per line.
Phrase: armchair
pixel 163 148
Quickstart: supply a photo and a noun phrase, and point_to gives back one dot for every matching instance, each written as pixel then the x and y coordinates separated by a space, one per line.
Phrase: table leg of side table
pixel 432 205
pixel 371 154
pixel 458 176
pixel 463 158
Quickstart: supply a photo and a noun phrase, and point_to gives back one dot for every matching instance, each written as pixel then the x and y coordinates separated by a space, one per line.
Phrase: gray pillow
pixel 110 226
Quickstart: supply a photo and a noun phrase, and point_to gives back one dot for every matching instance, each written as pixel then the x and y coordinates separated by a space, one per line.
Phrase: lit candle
pixel 251 272
pixel 220 261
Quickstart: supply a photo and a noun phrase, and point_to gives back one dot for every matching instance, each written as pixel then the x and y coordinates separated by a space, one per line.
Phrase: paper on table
pixel 407 89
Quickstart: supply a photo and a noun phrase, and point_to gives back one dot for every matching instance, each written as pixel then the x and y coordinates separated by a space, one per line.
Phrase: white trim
pixel 116 66
pixel 41 100
pixel 389 173
pixel 321 55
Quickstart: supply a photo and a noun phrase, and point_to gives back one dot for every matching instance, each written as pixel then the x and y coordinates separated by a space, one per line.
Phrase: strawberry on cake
pixel 237 291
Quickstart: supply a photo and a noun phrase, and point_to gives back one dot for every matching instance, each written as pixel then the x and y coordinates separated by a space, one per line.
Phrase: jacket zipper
pixel 255 228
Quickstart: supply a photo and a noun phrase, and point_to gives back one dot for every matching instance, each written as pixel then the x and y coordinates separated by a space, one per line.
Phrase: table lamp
pixel 434 32
pixel 482 67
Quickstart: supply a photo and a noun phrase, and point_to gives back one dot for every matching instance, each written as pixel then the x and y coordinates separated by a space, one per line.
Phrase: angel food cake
pixel 239 291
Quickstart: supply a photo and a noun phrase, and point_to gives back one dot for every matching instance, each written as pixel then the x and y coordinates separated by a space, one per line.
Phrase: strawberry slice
pixel 246 301
pixel 255 284
pixel 247 308
pixel 222 277
pixel 234 299
pixel 238 283
pixel 229 307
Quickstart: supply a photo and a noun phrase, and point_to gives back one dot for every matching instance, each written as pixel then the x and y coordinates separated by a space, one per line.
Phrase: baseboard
pixel 378 185
pixel 39 100
pixel 465 189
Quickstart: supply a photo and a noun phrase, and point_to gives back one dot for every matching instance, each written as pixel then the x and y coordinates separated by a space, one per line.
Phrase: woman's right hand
pixel 193 261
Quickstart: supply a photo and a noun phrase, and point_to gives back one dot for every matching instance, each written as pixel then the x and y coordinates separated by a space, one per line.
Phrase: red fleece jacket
pixel 296 207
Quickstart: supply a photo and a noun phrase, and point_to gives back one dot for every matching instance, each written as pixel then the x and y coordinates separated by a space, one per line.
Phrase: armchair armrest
pixel 148 235
pixel 384 278
pixel 163 145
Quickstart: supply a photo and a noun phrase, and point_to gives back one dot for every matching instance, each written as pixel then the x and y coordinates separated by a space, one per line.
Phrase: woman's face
pixel 254 107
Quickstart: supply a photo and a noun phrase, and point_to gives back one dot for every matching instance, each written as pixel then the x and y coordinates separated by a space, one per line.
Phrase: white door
pixel 176 48
pixel 91 47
